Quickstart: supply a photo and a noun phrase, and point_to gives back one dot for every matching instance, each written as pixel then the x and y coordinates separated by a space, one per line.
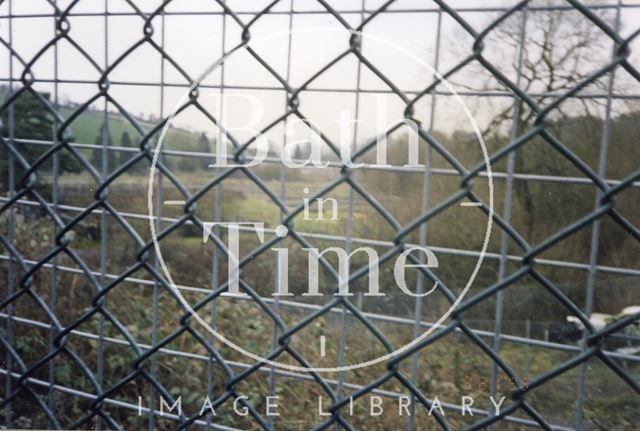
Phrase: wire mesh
pixel 63 333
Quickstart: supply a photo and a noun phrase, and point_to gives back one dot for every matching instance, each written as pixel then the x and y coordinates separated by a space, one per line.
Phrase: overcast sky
pixel 397 43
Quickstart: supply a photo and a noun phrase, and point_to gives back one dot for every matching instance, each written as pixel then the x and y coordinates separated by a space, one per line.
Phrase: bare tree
pixel 547 49
pixel 560 49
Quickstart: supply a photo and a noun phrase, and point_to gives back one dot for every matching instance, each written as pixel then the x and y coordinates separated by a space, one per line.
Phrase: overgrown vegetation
pixel 444 368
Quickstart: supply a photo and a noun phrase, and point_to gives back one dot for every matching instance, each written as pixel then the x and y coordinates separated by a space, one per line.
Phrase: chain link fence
pixel 93 333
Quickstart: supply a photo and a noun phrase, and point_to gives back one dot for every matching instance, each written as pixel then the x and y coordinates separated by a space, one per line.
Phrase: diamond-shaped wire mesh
pixel 81 366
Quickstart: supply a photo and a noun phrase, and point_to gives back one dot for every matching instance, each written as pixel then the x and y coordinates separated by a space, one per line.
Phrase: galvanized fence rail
pixel 23 192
